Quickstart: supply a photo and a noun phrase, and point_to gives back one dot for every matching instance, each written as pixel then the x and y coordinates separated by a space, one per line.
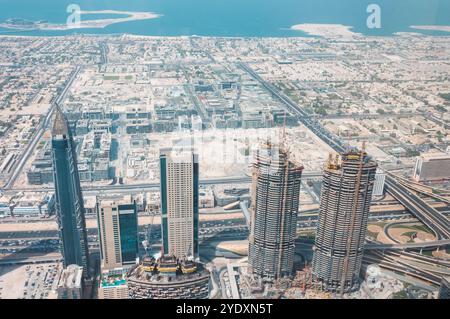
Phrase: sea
pixel 233 18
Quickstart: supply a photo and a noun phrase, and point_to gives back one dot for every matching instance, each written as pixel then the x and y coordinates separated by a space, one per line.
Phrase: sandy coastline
pixel 91 24
pixel 444 28
pixel 327 30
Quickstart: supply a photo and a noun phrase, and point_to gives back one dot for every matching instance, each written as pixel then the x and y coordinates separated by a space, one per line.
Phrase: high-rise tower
pixel 118 233
pixel 69 200
pixel 344 210
pixel 179 172
pixel 275 203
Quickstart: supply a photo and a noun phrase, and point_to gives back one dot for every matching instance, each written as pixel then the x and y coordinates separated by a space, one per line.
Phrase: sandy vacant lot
pixel 238 247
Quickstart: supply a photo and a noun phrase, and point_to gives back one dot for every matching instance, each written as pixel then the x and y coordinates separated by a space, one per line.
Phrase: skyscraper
pixel 69 200
pixel 179 172
pixel 344 210
pixel 275 203
pixel 118 233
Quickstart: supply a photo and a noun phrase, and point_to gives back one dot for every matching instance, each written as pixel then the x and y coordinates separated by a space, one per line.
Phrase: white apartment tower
pixel 179 172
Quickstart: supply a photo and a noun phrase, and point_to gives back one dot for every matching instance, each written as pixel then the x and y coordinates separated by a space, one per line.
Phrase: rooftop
pixel 113 279
pixel 60 125
pixel 166 270
pixel 71 277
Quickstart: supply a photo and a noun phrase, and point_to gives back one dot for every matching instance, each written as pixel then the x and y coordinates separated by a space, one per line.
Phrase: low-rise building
pixel 113 284
pixel 206 197
pixel 5 206
pixel 71 283
pixel 41 171
pixel 378 186
pixel 33 205
pixel 224 194
pixel 432 167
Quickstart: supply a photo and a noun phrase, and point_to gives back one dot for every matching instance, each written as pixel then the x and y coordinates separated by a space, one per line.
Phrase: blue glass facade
pixel 163 181
pixel 195 205
pixel 128 224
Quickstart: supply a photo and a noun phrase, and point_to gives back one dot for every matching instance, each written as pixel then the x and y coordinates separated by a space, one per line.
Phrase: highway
pixel 131 188
pixel 30 260
pixel 417 207
pixel 40 131
pixel 425 268
pixel 306 119
pixel 408 246
pixel 432 218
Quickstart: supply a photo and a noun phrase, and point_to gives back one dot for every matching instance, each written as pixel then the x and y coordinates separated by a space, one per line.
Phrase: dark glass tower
pixel 69 200
pixel 128 232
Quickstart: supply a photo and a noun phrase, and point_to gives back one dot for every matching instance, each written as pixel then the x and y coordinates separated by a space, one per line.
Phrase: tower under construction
pixel 275 203
pixel 344 209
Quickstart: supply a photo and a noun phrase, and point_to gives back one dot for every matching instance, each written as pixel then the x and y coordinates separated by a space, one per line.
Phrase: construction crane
pixel 353 218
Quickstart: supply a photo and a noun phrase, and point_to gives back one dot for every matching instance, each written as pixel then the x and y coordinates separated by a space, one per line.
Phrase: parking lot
pixel 37 281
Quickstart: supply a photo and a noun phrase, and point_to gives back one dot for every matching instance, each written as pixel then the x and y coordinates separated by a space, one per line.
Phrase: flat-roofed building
pixel 378 186
pixel 118 233
pixel 136 126
pixel 113 284
pixel 432 167
pixel 5 206
pixel 206 197
pixel 70 285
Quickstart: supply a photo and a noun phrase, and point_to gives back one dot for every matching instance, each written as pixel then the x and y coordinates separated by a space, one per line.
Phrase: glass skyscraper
pixel 69 200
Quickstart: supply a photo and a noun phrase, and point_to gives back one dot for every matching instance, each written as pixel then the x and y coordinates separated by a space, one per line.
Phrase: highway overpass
pixel 428 215
pixel 409 246
pixel 417 207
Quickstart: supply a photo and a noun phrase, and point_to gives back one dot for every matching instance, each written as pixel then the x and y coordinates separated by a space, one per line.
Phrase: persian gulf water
pixel 232 18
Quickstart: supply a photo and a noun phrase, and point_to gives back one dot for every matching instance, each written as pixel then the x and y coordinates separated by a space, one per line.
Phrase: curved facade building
pixel 275 204
pixel 168 278
pixel 344 210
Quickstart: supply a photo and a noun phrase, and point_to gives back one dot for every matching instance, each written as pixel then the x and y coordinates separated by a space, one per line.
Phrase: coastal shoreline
pixel 86 24
pixel 326 30
pixel 443 28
